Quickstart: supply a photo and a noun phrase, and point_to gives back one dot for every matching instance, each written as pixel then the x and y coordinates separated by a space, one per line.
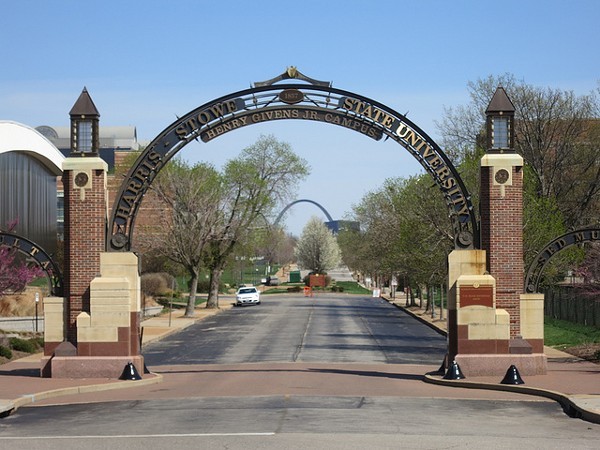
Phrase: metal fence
pixel 21 324
pixel 565 303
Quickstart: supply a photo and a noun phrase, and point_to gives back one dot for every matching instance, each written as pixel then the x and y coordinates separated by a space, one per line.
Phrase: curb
pixel 7 407
pixel 419 318
pixel 567 403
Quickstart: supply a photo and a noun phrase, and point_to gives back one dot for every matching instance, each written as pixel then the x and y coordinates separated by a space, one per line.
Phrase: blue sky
pixel 147 62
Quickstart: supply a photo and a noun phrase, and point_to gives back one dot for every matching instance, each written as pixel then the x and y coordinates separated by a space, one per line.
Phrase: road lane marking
pixel 136 436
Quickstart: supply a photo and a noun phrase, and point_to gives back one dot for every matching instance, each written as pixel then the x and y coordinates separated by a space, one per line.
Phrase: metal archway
pixel 534 273
pixel 295 202
pixel 34 251
pixel 315 101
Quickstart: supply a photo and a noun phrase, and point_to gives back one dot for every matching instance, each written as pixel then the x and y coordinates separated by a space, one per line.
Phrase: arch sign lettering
pixel 35 252
pixel 303 99
pixel 534 274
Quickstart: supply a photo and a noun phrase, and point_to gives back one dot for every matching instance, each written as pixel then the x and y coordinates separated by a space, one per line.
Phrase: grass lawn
pixel 352 287
pixel 579 340
pixel 559 333
pixel 349 287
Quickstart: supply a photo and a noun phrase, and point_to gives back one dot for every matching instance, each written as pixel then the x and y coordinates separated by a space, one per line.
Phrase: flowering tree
pixel 317 248
pixel 14 277
pixel 15 274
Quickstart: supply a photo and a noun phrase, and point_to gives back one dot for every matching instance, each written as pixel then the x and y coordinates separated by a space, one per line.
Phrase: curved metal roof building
pixel 29 165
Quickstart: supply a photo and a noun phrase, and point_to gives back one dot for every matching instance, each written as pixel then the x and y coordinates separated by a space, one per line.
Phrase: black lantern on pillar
pixel 500 118
pixel 85 119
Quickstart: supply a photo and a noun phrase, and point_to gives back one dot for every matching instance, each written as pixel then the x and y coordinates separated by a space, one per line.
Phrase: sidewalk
pixel 572 382
pixel 21 384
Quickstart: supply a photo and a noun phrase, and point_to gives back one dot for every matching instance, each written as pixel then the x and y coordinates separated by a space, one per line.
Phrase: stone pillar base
pixel 497 365
pixel 89 366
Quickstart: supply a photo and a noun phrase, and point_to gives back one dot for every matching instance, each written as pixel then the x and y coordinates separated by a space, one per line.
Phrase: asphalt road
pixel 276 422
pixel 334 372
pixel 327 328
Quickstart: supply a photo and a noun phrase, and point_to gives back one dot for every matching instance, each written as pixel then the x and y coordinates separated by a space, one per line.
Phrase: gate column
pixel 502 208
pixel 494 324
pixel 94 330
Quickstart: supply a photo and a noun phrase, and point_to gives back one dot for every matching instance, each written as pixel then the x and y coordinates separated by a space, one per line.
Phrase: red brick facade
pixel 85 224
pixel 502 238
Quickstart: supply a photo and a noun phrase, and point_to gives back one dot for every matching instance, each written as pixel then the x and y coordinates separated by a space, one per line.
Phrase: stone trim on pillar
pixel 482 328
pixel 54 323
pixel 108 335
pixel 532 321
pixel 460 262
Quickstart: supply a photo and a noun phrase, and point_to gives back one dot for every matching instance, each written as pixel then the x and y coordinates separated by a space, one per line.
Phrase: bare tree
pixel 556 132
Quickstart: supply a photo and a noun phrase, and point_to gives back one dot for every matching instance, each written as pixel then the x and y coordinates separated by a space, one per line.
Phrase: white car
pixel 247 295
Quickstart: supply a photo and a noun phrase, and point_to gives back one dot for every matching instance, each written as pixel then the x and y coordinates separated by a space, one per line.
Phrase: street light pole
pixel 37 300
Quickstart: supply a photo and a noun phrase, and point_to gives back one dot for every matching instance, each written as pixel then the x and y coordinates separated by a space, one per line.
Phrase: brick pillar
pixel 84 180
pixel 502 229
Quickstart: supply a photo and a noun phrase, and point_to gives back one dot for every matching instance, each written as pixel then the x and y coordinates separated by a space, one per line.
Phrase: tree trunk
pixel 191 304
pixel 213 293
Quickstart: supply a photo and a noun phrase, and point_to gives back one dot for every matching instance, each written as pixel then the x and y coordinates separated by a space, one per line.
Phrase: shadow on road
pixel 361 373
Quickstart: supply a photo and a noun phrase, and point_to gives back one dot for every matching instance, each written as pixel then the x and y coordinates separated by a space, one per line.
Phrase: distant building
pixel 31 188
pixel 112 139
pixel 336 226
pixel 29 165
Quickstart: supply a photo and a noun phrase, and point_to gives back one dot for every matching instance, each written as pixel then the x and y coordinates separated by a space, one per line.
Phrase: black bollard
pixel 512 376
pixel 454 372
pixel 130 373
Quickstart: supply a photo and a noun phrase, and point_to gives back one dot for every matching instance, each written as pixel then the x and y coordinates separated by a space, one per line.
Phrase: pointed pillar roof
pixel 500 102
pixel 84 106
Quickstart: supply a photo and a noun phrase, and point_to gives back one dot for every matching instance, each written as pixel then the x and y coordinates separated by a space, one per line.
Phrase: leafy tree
pixel 263 176
pixel 192 195
pixel 405 231
pixel 317 249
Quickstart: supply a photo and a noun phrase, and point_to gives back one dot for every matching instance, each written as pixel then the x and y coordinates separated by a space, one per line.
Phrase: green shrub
pixel 38 341
pixel 294 289
pixel 5 352
pixel 22 345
